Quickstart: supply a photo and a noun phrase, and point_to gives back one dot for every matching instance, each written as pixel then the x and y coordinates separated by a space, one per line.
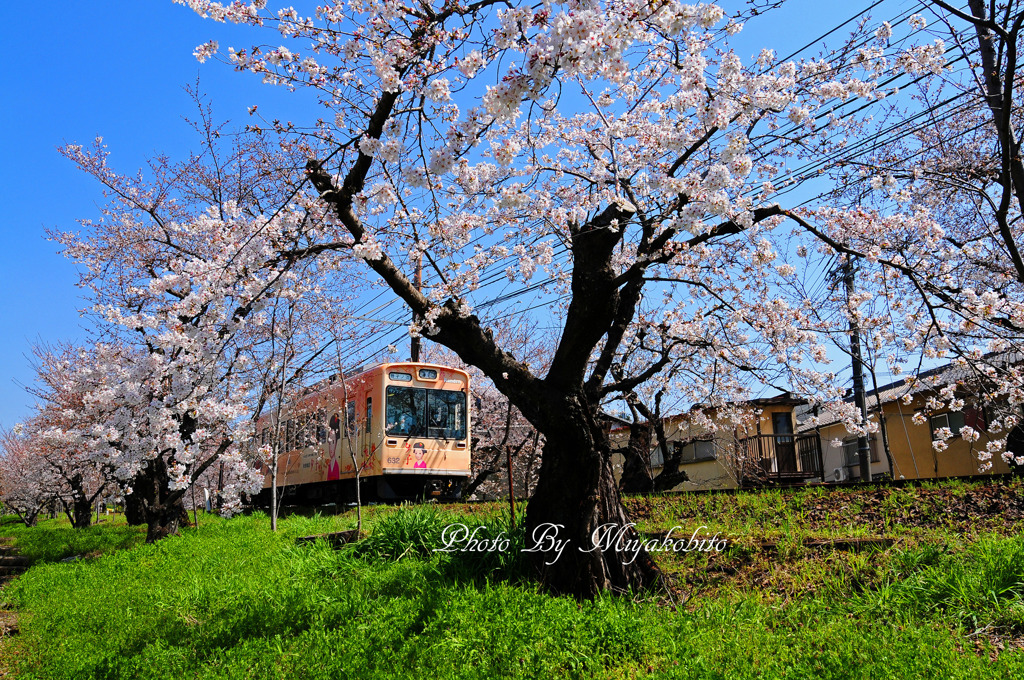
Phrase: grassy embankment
pixel 941 598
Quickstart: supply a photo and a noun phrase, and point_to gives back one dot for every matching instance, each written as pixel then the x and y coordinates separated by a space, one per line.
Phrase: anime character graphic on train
pixel 402 429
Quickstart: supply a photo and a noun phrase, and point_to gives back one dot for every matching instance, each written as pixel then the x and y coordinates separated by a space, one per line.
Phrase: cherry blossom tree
pixel 181 270
pixel 75 476
pixel 504 444
pixel 619 149
pixel 27 484
pixel 502 438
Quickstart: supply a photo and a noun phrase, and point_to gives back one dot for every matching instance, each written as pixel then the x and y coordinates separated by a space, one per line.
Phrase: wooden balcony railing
pixel 780 458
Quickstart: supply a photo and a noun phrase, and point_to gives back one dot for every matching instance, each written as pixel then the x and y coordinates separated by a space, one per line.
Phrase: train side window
pixel 335 429
pixel 350 417
pixel 308 431
pixel 369 413
pixel 321 426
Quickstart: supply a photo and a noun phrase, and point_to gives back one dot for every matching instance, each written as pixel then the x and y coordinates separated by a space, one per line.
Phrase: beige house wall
pixel 913 455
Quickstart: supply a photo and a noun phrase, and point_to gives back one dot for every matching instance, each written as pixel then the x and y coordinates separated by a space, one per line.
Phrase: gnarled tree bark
pixel 153 503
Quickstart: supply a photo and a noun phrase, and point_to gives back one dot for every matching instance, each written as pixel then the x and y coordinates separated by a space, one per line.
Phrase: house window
pixel 695 451
pixel 954 420
pixel 850 452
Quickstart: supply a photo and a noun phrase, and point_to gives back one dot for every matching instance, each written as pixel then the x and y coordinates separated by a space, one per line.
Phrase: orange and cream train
pixel 407 425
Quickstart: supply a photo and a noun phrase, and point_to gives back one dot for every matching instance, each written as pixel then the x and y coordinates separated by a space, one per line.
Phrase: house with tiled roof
pixel 903 447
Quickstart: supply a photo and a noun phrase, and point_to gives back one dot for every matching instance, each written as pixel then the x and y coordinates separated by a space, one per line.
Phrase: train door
pixel 332 451
pixel 351 443
pixel 359 438
pixel 369 444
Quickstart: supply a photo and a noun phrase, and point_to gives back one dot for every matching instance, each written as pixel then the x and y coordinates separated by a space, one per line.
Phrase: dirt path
pixel 11 565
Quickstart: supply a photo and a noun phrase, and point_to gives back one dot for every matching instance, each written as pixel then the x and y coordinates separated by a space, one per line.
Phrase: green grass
pixel 981 587
pixel 233 600
pixel 55 540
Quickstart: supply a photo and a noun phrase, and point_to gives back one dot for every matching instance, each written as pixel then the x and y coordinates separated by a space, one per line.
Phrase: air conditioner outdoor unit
pixel 839 474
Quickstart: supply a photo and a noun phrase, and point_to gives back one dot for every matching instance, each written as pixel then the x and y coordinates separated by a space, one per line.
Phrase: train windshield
pixel 418 412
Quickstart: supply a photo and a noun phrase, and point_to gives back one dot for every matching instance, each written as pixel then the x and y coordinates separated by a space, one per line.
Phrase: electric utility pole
pixel 414 349
pixel 859 398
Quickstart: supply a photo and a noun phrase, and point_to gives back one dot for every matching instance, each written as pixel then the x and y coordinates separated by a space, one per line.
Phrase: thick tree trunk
pixel 29 517
pixel 165 520
pixel 152 503
pixel 576 501
pixel 81 506
pixel 133 511
pixel 219 496
pixel 636 464
pixel 81 513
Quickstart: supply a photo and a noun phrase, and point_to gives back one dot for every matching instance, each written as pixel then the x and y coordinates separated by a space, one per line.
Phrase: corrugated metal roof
pixel 931 380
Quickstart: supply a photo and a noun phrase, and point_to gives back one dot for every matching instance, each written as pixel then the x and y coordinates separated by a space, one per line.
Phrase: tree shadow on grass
pixel 60 543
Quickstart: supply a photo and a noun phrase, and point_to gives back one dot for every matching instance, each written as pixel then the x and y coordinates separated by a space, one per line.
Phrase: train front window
pixel 417 412
pixel 446 414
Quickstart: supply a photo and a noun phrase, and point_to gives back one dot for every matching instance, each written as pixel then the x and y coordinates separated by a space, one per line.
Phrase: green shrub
pixel 413 530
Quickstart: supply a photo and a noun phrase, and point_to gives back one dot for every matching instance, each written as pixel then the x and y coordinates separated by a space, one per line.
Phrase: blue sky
pixel 117 69
pixel 76 70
